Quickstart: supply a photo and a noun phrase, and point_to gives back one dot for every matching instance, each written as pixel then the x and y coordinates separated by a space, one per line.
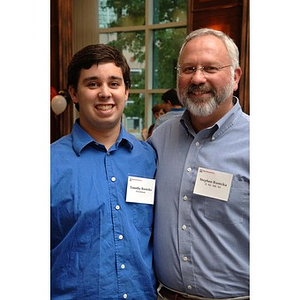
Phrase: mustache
pixel 202 88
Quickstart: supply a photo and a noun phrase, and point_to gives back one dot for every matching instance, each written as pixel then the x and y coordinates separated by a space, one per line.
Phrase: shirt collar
pixel 229 119
pixel 220 126
pixel 124 139
pixel 81 139
pixel 177 109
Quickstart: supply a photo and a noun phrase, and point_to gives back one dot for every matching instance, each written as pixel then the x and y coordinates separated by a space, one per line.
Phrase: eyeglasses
pixel 189 70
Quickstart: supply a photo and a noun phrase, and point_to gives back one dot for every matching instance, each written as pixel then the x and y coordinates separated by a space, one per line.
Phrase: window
pixel 149 33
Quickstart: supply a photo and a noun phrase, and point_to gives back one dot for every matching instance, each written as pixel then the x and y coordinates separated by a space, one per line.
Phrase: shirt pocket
pixel 142 215
pixel 232 211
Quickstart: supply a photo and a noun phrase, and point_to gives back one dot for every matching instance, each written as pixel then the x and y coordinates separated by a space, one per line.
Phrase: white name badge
pixel 140 190
pixel 213 184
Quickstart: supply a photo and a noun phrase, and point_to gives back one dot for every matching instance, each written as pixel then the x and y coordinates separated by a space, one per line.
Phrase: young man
pixel 100 228
pixel 201 231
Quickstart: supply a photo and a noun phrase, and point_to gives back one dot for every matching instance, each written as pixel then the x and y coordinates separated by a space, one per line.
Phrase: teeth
pixel 197 92
pixel 104 107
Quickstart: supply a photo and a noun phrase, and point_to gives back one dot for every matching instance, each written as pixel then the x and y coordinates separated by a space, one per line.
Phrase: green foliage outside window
pixel 166 42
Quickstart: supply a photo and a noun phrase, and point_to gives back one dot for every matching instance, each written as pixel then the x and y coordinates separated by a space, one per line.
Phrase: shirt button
pixel 189 287
pixel 113 179
pixel 122 266
pixel 120 237
pixel 213 138
pixel 183 227
pixel 189 169
pixel 117 207
pixel 185 197
pixel 185 258
pixel 197 144
pixel 125 296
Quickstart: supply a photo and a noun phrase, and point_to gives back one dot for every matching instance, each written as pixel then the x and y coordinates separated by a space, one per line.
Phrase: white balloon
pixel 58 104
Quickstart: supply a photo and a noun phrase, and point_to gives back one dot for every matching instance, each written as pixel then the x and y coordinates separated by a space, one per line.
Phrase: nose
pixel 104 91
pixel 198 77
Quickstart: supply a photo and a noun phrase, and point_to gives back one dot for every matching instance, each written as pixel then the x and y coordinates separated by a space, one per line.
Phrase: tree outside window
pixel 149 33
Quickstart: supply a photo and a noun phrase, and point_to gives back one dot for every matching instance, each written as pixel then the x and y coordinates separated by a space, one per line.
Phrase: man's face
pixel 101 95
pixel 203 93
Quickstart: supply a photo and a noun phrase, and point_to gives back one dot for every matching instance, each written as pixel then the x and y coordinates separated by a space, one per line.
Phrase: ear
pixel 73 94
pixel 126 94
pixel 237 76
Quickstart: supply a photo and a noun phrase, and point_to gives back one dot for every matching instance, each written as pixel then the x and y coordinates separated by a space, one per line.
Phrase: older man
pixel 201 228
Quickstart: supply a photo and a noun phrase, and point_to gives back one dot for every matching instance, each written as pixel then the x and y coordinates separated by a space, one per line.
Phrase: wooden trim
pixel 143 27
pixel 61 53
pixel 231 17
pixel 244 85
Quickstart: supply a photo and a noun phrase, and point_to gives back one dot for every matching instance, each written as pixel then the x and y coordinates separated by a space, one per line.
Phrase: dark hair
pixel 150 130
pixel 95 54
pixel 171 95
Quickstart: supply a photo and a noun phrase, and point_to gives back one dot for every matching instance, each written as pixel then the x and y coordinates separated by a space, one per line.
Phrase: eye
pixel 92 84
pixel 188 70
pixel 115 84
pixel 210 69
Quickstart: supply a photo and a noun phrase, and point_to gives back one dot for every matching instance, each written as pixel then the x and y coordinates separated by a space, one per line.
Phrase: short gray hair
pixel 230 45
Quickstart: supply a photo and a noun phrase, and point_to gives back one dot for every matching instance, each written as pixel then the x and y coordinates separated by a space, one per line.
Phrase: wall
pixel 231 17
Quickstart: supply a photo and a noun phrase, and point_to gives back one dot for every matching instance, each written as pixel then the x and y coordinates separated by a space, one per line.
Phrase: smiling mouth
pixel 199 92
pixel 104 107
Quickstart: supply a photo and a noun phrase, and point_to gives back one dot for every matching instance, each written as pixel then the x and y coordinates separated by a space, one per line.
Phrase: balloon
pixel 58 104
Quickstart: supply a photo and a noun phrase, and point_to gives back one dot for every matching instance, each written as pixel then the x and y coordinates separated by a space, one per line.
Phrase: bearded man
pixel 201 224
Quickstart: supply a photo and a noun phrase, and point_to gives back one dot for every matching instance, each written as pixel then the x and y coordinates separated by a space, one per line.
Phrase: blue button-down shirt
pixel 101 245
pixel 201 244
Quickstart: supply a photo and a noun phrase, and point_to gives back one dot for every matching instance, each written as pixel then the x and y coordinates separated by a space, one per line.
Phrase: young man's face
pixel 101 95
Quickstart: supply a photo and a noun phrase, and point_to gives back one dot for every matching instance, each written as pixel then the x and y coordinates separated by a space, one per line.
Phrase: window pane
pixel 133 116
pixel 121 13
pixel 166 11
pixel 132 45
pixel 167 43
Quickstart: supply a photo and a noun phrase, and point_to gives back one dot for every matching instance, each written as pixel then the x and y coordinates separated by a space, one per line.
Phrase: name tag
pixel 213 184
pixel 140 190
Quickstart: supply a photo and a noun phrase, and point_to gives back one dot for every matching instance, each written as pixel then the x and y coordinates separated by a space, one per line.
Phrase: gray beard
pixel 207 105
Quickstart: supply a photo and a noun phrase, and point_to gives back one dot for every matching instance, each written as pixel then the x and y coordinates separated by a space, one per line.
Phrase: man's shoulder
pixel 166 130
pixel 169 115
pixel 170 123
pixel 243 122
pixel 245 117
pixel 63 142
pixel 61 148
pixel 139 146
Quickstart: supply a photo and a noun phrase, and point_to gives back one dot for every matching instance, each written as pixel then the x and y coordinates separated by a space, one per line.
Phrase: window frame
pixel 148 28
